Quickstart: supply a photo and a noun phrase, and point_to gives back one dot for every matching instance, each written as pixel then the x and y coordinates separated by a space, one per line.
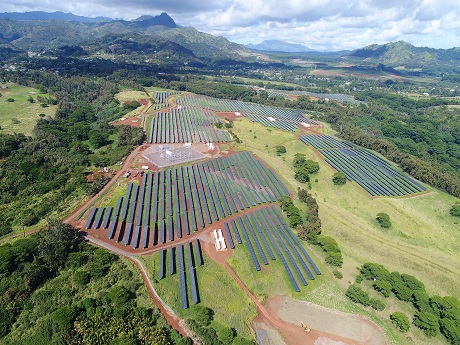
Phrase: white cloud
pixel 327 24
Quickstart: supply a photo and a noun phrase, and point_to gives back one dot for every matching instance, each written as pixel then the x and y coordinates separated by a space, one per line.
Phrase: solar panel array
pixel 282 118
pixel 338 97
pixel 376 175
pixel 173 203
pixel 190 124
pixel 177 254
pixel 266 229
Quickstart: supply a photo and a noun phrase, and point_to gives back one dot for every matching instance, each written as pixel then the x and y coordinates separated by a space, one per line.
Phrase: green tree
pixel 311 166
pixel 65 317
pixel 377 304
pixel 301 174
pixel 334 259
pixel 401 321
pixel 339 178
pixel 56 241
pixel 382 286
pixel 358 295
pixel 384 220
pixel 299 159
pixel 280 149
pixel 455 210
pixel 428 322
pixel 6 320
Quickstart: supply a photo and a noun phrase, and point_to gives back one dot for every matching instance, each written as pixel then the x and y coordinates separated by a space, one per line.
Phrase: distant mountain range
pixel 279 46
pixel 38 31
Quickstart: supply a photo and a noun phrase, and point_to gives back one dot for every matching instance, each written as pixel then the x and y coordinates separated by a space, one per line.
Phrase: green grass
pixel 217 290
pixel 423 240
pixel 21 116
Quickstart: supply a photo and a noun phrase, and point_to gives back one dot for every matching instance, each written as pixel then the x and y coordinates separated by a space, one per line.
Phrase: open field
pixel 21 115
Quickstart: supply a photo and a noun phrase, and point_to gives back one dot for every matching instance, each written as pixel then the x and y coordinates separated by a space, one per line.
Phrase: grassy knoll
pixel 21 115
pixel 423 240
pixel 217 290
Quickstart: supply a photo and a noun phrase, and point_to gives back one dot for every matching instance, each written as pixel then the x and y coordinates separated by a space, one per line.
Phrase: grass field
pixel 217 290
pixel 21 115
pixel 423 240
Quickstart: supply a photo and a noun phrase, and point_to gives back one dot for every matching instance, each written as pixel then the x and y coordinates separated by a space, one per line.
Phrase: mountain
pixel 279 46
pixel 39 15
pixel 401 53
pixel 42 35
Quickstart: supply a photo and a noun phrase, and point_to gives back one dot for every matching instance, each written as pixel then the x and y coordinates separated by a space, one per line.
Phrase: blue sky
pixel 321 25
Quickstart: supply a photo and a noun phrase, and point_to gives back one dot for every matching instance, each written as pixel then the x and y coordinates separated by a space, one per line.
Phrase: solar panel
pixel 113 227
pixel 229 235
pixel 172 260
pixel 199 254
pixel 162 264
pixel 100 213
pixel 105 225
pixel 195 295
pixel 90 218
pixel 183 284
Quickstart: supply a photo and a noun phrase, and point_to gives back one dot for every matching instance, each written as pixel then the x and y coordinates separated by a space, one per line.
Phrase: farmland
pixel 21 114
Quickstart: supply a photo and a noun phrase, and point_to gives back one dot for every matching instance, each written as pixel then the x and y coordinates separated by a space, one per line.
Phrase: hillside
pixel 401 53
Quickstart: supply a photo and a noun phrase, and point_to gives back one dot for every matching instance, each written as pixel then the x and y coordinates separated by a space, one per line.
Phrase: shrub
pixel 377 304
pixel 339 178
pixel 82 277
pixel 337 274
pixel 382 286
pixel 384 220
pixel 301 174
pixel 401 321
pixel 334 259
pixel 65 317
pixel 280 149
pixel 428 322
pixel 455 210
pixel 358 295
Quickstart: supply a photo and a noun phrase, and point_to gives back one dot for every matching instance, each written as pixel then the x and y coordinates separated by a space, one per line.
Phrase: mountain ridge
pixel 279 46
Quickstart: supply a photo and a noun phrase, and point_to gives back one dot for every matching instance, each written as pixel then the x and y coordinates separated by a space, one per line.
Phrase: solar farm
pixel 338 97
pixel 176 202
pixel 376 175
pixel 280 118
pixel 186 125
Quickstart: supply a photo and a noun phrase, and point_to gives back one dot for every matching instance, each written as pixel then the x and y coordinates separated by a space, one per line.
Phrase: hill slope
pixel 404 54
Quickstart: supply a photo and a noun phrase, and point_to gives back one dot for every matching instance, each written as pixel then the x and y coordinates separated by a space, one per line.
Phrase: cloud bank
pixel 322 25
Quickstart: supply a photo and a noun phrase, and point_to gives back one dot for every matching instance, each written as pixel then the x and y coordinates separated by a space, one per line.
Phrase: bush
pixel 65 317
pixel 82 277
pixel 384 220
pixel 6 320
pixel 337 274
pixel 401 321
pixel 358 295
pixel 428 322
pixel 382 286
pixel 455 210
pixel 280 149
pixel 339 178
pixel 377 304
pixel 334 259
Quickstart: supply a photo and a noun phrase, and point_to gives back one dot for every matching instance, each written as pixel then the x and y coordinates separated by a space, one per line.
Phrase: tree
pixel 358 295
pixel 455 210
pixel 311 166
pixel 280 149
pixel 428 322
pixel 301 174
pixel 56 241
pixel 65 317
pixel 202 315
pixel 384 220
pixel 339 178
pixel 401 321
pixel 119 295
pixel 382 286
pixel 334 259
pixel 377 304
pixel 6 320
pixel 299 159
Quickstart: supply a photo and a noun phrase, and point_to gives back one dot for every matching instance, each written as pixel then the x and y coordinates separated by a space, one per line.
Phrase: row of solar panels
pixel 266 229
pixel 175 201
pixel 182 269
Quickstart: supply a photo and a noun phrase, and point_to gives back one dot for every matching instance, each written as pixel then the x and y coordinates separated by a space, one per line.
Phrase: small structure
pixel 220 240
